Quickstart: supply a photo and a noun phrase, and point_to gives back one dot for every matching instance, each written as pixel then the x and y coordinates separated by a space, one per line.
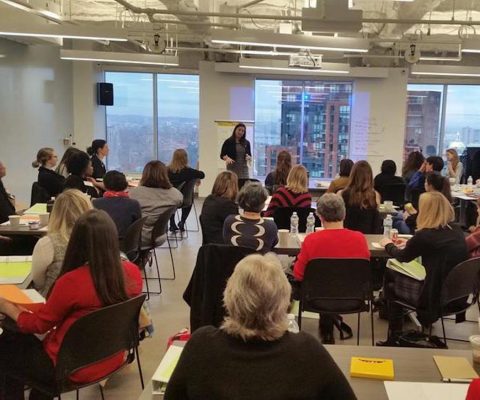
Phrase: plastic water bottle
pixel 310 223
pixel 294 223
pixel 387 226
pixel 292 324
pixel 470 182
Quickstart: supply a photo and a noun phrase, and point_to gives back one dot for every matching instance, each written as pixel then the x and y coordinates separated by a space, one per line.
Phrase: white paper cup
pixel 475 343
pixel 14 220
pixel 283 235
pixel 44 218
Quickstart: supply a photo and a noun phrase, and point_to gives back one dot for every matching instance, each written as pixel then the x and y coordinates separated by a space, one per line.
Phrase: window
pixel 132 134
pixel 310 119
pixel 425 128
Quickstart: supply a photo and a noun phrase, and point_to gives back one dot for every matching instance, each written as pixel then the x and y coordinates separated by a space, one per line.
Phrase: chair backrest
pixel 394 192
pixel 188 190
pixel 202 227
pixel 243 181
pixel 39 194
pixel 161 225
pixel 462 281
pixel 98 336
pixel 282 215
pixel 336 285
pixel 132 241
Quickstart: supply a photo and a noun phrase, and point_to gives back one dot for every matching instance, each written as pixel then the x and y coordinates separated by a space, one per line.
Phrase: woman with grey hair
pixel 249 229
pixel 334 241
pixel 253 355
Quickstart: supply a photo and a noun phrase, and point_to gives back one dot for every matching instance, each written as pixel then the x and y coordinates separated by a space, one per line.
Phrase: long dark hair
pixel 440 184
pixel 155 175
pixel 78 162
pixel 94 242
pixel 97 144
pixel 359 191
pixel 242 139
pixel 68 154
pixel 284 165
pixel 414 162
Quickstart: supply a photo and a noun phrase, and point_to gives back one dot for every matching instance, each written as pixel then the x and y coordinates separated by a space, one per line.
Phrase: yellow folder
pixel 373 368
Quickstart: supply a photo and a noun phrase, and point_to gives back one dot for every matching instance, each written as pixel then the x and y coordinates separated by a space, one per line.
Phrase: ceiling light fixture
pixel 282 65
pixel 263 38
pixel 118 57
pixel 37 10
pixel 471 46
pixel 445 70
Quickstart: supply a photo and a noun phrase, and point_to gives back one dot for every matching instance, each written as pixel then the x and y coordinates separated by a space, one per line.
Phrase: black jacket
pixel 229 148
pixel 441 250
pixel 99 169
pixel 6 207
pixel 214 212
pixel 51 181
pixel 204 293
pixel 184 175
pixel 76 182
pixel 122 210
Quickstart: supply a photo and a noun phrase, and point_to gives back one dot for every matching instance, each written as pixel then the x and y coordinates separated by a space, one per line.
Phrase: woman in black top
pixel 218 206
pixel 179 172
pixel 253 355
pixel 361 200
pixel 7 200
pixel 440 247
pixel 237 153
pixel 387 176
pixel 79 167
pixel 48 179
pixel 278 177
pixel 98 151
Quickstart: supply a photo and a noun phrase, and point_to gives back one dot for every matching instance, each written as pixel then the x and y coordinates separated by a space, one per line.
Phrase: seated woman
pixel 98 151
pixel 341 182
pixel 249 229
pixel 155 194
pixel 92 277
pixel 218 206
pixel 441 248
pixel 79 167
pixel 179 172
pixel 294 194
pixel 49 252
pixel 473 240
pixel 454 166
pixel 47 177
pixel 62 166
pixel 387 176
pixel 116 203
pixel 361 201
pixel 253 355
pixel 278 177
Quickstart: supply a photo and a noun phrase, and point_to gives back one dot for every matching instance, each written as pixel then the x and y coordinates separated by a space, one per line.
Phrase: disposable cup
pixel 44 218
pixel 475 343
pixel 14 220
pixel 283 235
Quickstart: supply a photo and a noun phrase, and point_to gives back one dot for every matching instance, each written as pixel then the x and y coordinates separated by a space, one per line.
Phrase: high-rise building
pixel 423 118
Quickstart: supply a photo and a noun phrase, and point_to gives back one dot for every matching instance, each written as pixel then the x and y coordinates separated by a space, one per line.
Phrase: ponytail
pixel 96 145
pixel 90 151
pixel 43 155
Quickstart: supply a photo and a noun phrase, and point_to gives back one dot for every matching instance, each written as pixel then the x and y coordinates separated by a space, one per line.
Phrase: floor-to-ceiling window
pixel 310 119
pixel 152 115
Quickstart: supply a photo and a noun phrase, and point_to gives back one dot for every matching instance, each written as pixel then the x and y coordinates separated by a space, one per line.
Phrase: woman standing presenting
pixel 236 152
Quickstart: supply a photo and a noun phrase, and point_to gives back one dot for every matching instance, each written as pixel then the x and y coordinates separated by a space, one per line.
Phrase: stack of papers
pixel 165 370
pixel 14 269
pixel 425 391
pixel 455 369
pixel 373 368
pixel 413 269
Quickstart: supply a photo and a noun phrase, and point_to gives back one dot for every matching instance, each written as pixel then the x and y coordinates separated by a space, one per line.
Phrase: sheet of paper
pixel 425 391
pixel 39 208
pixel 14 272
pixel 168 364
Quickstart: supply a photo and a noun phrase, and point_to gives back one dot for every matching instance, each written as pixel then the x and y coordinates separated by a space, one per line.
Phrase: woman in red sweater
pixel 294 194
pixel 92 276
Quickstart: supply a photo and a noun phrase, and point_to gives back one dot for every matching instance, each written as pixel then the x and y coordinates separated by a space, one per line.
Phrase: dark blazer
pixel 76 182
pixel 184 175
pixel 99 169
pixel 214 212
pixel 122 210
pixel 51 181
pixel 382 180
pixel 6 207
pixel 229 148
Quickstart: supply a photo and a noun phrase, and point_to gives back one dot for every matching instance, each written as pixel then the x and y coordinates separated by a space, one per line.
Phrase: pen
pixel 457 380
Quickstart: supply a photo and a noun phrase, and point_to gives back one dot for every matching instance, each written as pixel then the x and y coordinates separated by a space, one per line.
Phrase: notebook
pixel 425 391
pixel 38 208
pixel 413 269
pixel 373 368
pixel 25 298
pixel 165 370
pixel 14 269
pixel 455 369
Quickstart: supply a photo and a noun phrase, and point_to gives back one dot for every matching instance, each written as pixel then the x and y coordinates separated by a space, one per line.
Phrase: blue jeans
pixel 400 224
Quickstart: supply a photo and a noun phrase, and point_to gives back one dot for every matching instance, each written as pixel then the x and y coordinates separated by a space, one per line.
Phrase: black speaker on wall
pixel 104 94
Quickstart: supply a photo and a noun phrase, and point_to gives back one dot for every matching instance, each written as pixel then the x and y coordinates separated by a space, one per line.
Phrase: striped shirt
pixel 284 197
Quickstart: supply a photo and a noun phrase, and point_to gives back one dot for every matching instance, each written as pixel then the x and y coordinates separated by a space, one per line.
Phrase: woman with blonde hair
pixel 294 194
pixel 361 200
pixel 454 166
pixel 278 177
pixel 179 172
pixel 48 179
pixel 218 206
pixel 49 251
pixel 440 246
pixel 236 360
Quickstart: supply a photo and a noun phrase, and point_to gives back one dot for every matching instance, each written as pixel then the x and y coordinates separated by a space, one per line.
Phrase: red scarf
pixel 115 194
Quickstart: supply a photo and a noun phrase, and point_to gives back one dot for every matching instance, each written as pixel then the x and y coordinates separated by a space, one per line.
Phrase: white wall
pixel 35 109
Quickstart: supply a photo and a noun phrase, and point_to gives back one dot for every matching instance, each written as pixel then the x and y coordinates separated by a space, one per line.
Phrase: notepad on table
pixel 14 269
pixel 455 369
pixel 413 269
pixel 373 368
pixel 425 391
pixel 165 370
pixel 31 300
pixel 38 208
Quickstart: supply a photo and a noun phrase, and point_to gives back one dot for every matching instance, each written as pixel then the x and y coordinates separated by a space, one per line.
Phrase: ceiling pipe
pixel 178 22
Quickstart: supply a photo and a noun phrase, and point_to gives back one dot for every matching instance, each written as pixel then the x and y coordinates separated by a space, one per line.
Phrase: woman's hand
pixel 9 309
pixel 228 160
pixel 385 241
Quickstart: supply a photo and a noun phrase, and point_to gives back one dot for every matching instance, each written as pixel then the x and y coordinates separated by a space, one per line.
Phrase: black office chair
pixel 132 242
pixel 337 286
pixel 395 193
pixel 282 216
pixel 188 191
pixel 95 337
pixel 39 194
pixel 148 254
pixel 243 181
